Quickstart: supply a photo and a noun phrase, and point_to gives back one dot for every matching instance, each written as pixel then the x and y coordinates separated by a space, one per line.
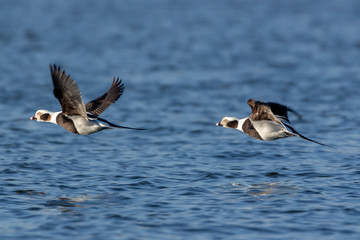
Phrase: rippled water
pixel 185 64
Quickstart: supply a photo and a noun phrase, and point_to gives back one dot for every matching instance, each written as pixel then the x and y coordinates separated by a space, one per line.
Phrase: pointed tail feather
pixel 112 124
pixel 303 137
pixel 118 126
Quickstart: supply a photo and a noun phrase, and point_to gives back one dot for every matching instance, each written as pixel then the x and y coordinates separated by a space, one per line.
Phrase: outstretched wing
pixel 100 104
pixel 67 92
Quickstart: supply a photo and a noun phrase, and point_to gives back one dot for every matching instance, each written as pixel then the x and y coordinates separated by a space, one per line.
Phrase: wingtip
pixel 298 115
pixel 117 81
pixel 55 69
pixel 251 102
pixel 52 67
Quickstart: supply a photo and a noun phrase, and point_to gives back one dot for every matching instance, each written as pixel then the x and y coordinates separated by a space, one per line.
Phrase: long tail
pixel 112 124
pixel 303 137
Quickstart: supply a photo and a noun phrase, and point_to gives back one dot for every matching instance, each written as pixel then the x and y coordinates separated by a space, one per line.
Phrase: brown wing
pixel 67 92
pixel 279 110
pixel 261 111
pixel 100 104
pixel 282 111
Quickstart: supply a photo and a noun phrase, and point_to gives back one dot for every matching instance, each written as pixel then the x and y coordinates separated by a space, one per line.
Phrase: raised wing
pixel 100 104
pixel 270 111
pixel 67 92
pixel 262 111
pixel 282 111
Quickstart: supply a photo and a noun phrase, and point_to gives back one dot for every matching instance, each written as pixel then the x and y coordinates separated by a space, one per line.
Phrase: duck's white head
pixel 229 122
pixel 232 122
pixel 42 116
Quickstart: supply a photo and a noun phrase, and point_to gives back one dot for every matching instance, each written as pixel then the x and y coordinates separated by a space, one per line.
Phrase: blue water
pixel 185 65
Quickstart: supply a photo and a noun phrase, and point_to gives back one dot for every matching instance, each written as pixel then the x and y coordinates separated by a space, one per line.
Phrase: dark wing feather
pixel 279 110
pixel 100 104
pixel 270 111
pixel 67 92
pixel 261 111
pixel 282 111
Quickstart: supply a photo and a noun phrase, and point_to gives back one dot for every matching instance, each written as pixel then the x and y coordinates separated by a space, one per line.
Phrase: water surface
pixel 185 64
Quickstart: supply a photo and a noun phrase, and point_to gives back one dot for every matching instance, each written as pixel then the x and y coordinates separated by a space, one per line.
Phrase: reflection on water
pixel 67 201
pixel 264 189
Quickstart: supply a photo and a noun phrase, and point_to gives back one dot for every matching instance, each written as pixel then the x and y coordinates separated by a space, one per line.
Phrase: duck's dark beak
pixel 219 124
pixel 33 118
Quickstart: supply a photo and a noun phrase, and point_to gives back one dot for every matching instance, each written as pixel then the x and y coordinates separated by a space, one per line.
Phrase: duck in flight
pixel 268 121
pixel 75 116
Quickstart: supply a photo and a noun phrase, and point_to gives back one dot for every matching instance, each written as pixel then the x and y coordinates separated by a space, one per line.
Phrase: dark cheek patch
pixel 232 124
pixel 45 117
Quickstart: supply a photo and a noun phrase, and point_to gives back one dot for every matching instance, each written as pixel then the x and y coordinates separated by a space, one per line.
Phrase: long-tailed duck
pixel 76 117
pixel 268 121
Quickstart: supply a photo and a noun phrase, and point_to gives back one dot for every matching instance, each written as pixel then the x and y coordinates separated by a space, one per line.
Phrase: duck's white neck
pixel 53 117
pixel 240 123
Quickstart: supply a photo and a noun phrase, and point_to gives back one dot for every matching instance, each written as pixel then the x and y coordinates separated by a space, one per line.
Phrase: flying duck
pixel 75 116
pixel 268 121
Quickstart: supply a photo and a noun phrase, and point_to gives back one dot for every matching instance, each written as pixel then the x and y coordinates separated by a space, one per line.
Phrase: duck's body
pixel 76 117
pixel 267 122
